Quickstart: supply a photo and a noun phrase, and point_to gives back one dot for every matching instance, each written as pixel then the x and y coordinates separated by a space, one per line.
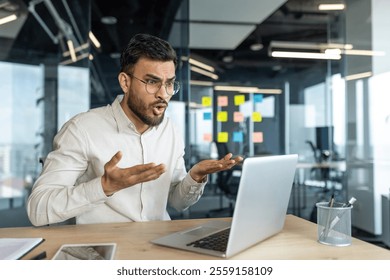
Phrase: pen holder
pixel 334 224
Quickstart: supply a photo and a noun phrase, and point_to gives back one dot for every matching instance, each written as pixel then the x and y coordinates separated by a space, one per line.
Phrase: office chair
pixel 227 182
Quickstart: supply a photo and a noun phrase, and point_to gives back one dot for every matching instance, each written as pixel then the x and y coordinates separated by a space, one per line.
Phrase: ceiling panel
pixel 224 24
pixel 243 11
pixel 218 36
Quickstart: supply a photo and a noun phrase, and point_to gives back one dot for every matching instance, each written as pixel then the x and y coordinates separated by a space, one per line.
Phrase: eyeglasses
pixel 152 86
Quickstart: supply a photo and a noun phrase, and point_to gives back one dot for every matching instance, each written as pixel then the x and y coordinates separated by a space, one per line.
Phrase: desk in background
pixel 334 184
pixel 10 194
pixel 298 240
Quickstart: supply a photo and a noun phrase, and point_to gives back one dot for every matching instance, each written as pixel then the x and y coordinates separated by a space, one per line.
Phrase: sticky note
pixel 207 137
pixel 207 116
pixel 239 99
pixel 238 137
pixel 206 101
pixel 258 98
pixel 222 101
pixel 256 117
pixel 257 137
pixel 238 117
pixel 222 116
pixel 223 137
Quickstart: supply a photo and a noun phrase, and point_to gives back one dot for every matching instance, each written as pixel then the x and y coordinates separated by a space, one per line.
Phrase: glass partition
pixel 44 67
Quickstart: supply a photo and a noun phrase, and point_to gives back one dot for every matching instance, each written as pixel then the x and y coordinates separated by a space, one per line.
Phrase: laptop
pixel 259 213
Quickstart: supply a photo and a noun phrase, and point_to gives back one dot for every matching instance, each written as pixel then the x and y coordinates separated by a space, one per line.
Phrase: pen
pixel 40 256
pixel 331 202
pixel 327 225
pixel 338 217
pixel 350 202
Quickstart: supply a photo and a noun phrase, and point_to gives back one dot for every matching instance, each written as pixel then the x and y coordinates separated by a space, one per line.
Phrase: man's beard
pixel 136 106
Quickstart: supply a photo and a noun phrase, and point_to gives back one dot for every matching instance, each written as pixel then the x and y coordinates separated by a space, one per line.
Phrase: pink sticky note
pixel 257 137
pixel 222 101
pixel 238 117
pixel 207 137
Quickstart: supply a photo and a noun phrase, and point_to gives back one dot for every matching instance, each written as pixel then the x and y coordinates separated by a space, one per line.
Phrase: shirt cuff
pixel 194 186
pixel 94 191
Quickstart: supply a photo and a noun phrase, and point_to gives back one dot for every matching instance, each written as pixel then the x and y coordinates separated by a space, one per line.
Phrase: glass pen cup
pixel 334 224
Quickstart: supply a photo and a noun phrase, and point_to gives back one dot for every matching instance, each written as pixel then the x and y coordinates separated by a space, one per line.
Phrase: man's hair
pixel 146 46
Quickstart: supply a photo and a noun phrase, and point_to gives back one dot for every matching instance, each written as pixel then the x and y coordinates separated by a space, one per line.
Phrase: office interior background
pixel 258 77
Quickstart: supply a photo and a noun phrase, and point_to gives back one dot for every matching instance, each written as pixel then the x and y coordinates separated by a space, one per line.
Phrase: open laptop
pixel 260 210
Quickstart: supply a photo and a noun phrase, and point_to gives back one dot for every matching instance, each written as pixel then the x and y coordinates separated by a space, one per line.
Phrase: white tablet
pixel 91 251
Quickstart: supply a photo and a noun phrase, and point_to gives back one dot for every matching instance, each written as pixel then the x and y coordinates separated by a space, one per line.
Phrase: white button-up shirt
pixel 70 183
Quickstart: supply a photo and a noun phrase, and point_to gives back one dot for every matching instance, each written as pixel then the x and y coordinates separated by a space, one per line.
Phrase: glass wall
pixel 41 88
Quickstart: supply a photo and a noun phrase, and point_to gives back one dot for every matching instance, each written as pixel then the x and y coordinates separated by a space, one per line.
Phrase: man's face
pixel 145 107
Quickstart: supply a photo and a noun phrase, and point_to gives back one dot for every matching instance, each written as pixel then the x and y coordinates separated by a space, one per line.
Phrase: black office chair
pixel 227 183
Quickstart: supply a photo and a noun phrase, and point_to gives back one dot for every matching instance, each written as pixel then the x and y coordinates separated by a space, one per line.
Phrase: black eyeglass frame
pixel 151 82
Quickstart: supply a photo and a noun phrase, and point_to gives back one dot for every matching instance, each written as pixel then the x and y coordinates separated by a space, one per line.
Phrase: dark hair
pixel 147 46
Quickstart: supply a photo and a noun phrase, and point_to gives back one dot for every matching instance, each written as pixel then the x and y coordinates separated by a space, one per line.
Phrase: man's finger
pixel 114 160
pixel 148 172
pixel 144 167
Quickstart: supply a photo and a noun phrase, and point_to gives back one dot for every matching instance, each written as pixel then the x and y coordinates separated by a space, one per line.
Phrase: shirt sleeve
pixel 56 196
pixel 184 190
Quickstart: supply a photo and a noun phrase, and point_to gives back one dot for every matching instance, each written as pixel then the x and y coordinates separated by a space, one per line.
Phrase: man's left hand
pixel 200 170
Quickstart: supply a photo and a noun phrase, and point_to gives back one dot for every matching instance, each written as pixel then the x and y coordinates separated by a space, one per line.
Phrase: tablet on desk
pixel 95 251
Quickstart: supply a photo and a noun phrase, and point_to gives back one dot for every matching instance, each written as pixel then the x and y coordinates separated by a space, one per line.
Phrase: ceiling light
pixel 204 72
pixel 115 55
pixel 256 47
pixel 306 55
pixel 364 52
pixel 78 49
pixel 331 7
pixel 244 89
pixel 8 19
pixel 71 50
pixel 201 65
pixel 228 59
pixel 358 76
pixel 70 61
pixel 333 52
pixel 109 20
pixel 94 40
pixel 201 83
pixel 307 45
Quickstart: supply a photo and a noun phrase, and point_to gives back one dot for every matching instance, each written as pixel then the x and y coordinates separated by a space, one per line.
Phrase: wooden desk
pixel 296 241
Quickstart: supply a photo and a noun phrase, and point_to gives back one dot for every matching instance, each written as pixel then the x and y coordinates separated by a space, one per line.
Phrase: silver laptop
pixel 260 210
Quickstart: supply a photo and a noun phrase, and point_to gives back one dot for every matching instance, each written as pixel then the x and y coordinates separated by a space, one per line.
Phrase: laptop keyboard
pixel 216 242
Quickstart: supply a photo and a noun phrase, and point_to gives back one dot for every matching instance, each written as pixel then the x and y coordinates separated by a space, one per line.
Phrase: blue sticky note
pixel 238 137
pixel 258 98
pixel 207 116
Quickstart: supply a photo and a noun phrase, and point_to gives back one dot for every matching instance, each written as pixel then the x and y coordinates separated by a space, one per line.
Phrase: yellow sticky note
pixel 239 99
pixel 223 137
pixel 256 117
pixel 222 116
pixel 238 117
pixel 258 137
pixel 207 137
pixel 206 101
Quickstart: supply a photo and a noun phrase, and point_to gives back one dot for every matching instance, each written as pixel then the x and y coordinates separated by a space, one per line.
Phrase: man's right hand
pixel 115 178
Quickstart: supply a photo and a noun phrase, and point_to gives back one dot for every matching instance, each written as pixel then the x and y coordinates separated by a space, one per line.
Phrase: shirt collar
pixel 122 120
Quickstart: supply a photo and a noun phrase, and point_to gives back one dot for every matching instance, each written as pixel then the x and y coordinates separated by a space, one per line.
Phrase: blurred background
pixel 258 78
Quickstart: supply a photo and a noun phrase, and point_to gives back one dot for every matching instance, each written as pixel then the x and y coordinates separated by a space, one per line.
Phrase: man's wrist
pixel 197 178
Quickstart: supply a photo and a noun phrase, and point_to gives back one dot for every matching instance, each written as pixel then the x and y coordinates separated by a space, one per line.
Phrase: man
pixel 123 162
